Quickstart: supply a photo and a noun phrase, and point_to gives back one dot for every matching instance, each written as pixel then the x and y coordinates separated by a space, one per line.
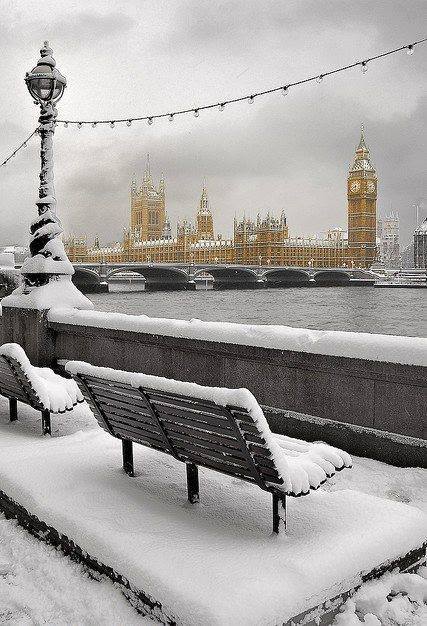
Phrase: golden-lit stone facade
pixel 264 241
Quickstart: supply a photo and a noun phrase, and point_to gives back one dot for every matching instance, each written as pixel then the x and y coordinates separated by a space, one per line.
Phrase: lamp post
pixel 47 272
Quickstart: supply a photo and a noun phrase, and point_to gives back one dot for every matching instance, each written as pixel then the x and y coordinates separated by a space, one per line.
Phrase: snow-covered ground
pixel 40 586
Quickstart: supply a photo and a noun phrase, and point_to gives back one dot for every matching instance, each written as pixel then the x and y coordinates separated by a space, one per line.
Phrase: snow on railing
pixel 373 347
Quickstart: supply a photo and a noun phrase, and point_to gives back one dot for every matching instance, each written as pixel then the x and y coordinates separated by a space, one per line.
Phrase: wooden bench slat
pixel 197 433
pixel 126 428
pixel 181 398
pixel 10 379
pixel 114 394
pixel 241 414
pixel 140 439
pixel 135 423
pixel 106 382
pixel 193 444
pixel 180 419
pixel 231 470
pixel 259 450
pixel 125 408
pixel 207 409
pixel 174 411
pixel 135 418
pixel 206 453
pixel 15 392
pixel 250 429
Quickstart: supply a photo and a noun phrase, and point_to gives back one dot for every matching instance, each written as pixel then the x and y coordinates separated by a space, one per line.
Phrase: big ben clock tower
pixel 362 208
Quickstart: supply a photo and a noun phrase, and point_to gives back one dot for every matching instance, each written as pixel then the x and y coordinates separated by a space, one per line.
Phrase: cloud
pixel 293 153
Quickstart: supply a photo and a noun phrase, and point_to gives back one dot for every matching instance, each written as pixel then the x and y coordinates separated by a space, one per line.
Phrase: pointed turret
pixel 204 201
pixel 162 184
pixel 362 159
pixel 204 216
pixel 146 179
pixel 133 184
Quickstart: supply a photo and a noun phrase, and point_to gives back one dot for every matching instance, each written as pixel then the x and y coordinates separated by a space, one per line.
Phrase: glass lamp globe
pixel 45 83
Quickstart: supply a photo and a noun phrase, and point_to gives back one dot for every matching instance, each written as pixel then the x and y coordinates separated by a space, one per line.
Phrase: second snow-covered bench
pixel 221 429
pixel 39 387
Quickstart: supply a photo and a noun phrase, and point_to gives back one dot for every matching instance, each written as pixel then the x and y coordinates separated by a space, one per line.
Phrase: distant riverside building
pixel 420 245
pixel 388 235
pixel 263 241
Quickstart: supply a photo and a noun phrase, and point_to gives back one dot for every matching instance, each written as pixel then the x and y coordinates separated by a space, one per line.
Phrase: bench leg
pixel 13 409
pixel 127 451
pixel 276 515
pixel 46 422
pixel 192 482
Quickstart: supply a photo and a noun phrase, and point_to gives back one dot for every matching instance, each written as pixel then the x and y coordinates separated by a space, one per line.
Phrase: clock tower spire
pixel 362 207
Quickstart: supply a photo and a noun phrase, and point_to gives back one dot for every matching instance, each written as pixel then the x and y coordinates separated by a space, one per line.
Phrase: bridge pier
pixel 165 286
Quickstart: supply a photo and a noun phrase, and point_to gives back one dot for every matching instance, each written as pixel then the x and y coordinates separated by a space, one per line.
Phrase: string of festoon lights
pixel 222 104
pixel 22 145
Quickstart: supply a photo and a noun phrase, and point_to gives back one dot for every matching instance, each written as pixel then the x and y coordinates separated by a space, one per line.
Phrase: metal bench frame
pixel 117 407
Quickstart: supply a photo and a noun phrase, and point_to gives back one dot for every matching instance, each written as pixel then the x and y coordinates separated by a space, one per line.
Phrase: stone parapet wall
pixel 390 397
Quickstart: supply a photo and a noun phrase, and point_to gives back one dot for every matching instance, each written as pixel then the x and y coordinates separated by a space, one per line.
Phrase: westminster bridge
pixel 92 277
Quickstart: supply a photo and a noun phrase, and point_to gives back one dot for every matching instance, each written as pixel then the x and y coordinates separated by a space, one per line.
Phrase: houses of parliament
pixel 262 241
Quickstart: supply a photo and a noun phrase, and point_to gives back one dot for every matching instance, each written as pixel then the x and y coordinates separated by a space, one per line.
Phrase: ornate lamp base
pixel 59 291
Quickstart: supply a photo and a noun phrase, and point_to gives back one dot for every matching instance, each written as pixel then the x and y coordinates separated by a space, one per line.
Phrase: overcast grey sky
pixel 137 57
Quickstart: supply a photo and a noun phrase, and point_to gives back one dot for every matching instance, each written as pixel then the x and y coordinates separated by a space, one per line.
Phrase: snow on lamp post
pixel 47 272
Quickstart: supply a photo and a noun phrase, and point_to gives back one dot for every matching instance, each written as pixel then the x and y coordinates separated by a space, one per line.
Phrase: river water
pixel 359 309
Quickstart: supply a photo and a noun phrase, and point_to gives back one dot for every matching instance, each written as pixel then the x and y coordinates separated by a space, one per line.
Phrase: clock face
pixel 355 186
pixel 371 186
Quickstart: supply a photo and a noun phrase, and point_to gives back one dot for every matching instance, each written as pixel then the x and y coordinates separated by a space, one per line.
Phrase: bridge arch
pixel 156 277
pixel 229 277
pixel 286 277
pixel 87 280
pixel 331 278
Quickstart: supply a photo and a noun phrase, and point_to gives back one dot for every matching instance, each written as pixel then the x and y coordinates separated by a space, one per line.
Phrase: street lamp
pixel 47 272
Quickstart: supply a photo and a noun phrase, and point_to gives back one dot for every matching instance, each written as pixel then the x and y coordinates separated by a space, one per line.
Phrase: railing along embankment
pixel 358 390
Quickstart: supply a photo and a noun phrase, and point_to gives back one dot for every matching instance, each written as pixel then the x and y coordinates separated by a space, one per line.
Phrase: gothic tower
pixel 147 213
pixel 204 217
pixel 362 208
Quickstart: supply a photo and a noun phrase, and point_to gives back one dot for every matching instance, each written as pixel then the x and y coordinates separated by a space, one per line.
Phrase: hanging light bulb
pixel 410 49
pixel 129 123
pixel 251 99
pixel 319 78
pixel 285 91
pixel 150 120
pixel 79 124
pixel 221 106
pixel 364 67
pixel 112 124
pixel 170 118
pixel 65 124
pixel 196 113
pixel 93 124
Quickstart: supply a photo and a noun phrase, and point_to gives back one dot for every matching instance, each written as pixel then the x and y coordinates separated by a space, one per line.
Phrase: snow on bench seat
pixel 52 392
pixel 300 466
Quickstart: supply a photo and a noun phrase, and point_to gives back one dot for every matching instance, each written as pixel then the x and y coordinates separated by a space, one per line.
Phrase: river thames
pixel 358 309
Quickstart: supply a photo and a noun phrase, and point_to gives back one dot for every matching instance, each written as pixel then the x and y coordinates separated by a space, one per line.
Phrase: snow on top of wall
pixel 56 393
pixel 301 465
pixel 374 347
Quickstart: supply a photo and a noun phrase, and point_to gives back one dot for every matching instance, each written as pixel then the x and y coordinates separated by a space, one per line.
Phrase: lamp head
pixel 45 83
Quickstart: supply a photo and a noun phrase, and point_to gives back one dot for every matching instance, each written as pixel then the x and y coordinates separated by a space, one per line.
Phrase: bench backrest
pixel 226 439
pixel 15 384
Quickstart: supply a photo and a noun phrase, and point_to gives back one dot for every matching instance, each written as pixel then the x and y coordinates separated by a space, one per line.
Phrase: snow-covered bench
pixel 221 429
pixel 39 387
